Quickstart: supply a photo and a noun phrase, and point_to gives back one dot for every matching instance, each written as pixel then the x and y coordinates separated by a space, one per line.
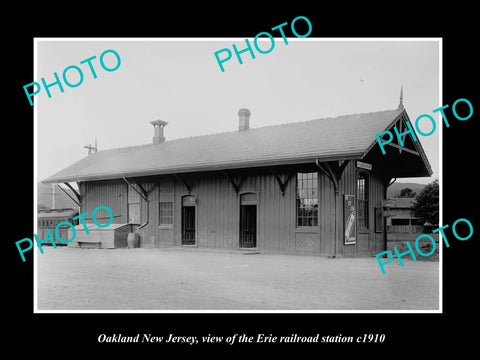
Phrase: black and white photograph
pixel 262 187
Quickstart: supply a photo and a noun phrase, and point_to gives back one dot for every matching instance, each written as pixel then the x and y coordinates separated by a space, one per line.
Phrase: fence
pixel 404 229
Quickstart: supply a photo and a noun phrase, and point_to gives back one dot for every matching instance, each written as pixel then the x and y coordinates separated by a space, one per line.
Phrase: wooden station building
pixel 311 187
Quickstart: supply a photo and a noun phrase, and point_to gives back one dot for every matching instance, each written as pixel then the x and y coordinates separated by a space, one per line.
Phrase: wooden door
pixel 248 226
pixel 188 225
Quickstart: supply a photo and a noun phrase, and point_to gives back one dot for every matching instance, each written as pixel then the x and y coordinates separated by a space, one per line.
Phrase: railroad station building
pixel 313 187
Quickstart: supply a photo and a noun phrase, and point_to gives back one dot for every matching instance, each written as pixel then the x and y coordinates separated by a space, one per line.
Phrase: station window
pixel 362 195
pixel 307 199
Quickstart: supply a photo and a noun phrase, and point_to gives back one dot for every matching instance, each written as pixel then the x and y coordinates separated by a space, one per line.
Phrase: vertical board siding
pixel 148 232
pixel 326 198
pixel 218 211
pixel 269 212
pixel 179 190
pixel 378 194
pixel 262 225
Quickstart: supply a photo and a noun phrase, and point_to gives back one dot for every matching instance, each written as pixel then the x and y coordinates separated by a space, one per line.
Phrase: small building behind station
pixel 402 224
pixel 50 218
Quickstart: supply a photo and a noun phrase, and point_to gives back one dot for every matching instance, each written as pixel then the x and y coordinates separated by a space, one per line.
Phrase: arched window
pixel 362 196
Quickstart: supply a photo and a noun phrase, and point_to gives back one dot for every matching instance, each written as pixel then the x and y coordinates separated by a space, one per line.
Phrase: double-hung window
pixel 307 199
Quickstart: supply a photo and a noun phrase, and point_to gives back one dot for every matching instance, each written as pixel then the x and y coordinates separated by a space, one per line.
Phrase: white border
pixel 35 179
pixel 440 177
pixel 35 144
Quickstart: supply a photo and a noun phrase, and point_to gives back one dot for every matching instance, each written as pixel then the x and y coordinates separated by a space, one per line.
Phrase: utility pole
pixel 91 149
pixel 53 196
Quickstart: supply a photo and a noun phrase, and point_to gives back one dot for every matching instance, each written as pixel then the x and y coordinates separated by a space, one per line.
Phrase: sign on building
pixel 389 203
pixel 364 165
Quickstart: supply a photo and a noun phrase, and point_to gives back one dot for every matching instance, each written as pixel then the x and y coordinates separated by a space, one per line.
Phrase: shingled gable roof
pixel 342 137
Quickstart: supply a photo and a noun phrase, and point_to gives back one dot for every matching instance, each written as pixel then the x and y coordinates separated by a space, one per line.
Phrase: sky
pixel 179 81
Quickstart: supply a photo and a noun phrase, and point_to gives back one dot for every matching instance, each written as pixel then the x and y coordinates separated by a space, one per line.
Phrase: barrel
pixel 132 240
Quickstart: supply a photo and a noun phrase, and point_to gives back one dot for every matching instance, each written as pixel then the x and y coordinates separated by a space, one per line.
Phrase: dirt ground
pixel 425 247
pixel 175 279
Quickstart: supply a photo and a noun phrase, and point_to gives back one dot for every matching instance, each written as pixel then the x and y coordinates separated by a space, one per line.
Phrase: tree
pixel 426 204
pixel 407 193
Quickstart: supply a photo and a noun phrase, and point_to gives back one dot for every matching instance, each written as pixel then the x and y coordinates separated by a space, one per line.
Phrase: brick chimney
pixel 158 125
pixel 244 119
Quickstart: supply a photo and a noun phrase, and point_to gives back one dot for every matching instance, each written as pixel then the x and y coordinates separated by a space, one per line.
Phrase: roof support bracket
pixel 236 186
pixel 184 182
pixel 333 177
pixel 152 188
pixel 391 181
pixel 74 191
pixel 142 189
pixel 325 171
pixel 143 194
pixel 77 200
pixel 341 168
pixel 282 184
pixel 333 171
pixel 404 148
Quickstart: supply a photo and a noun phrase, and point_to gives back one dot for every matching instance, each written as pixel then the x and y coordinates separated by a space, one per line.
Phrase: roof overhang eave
pixel 201 168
